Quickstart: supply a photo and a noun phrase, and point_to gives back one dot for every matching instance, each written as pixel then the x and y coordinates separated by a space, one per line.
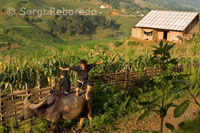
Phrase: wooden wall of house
pixel 175 36
pixel 172 36
pixel 134 32
pixel 192 29
pixel 157 35
pixel 147 34
pixel 137 33
pixel 160 35
pixel 143 33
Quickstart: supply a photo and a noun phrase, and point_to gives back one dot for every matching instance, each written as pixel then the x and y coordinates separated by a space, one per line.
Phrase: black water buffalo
pixel 58 106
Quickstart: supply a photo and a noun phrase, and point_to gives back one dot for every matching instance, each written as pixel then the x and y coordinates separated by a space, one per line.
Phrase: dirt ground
pixel 153 122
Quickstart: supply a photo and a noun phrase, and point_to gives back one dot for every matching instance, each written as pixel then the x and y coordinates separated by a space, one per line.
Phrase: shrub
pixel 109 104
pixel 3 129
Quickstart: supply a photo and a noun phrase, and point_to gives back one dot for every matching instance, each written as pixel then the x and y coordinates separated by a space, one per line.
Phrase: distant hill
pixel 181 5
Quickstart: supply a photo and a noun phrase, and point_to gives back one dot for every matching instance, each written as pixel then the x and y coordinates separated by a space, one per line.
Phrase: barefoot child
pixel 83 71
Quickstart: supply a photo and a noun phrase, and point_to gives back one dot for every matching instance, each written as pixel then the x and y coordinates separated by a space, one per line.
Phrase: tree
pixel 79 24
pixel 164 86
pixel 52 25
pixel 113 25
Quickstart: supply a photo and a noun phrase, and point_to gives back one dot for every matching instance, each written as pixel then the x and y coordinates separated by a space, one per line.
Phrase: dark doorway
pixel 165 35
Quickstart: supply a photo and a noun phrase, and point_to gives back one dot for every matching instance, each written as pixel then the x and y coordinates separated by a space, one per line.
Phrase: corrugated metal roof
pixel 167 20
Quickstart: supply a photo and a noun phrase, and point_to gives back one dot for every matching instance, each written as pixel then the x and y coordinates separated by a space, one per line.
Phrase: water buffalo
pixel 58 106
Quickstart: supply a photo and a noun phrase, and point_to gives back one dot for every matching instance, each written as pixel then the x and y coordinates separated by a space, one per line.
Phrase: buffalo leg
pixel 89 115
pixel 81 122
pixel 90 118
pixel 53 127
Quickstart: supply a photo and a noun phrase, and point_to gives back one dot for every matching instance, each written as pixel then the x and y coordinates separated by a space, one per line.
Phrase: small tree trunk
pixel 161 126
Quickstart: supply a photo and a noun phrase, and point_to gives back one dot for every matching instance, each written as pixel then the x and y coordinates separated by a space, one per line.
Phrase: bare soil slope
pixel 153 122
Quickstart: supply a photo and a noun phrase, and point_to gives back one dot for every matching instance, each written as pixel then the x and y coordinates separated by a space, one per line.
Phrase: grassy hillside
pixel 35 32
pixel 32 32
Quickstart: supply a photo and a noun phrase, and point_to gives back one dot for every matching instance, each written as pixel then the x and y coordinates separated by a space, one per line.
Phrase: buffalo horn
pixel 35 106
pixel 27 100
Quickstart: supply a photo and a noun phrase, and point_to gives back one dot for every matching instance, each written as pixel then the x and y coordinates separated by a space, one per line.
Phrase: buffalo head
pixel 29 108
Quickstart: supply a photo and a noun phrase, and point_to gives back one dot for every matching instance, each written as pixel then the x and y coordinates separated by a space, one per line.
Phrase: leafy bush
pixel 3 129
pixel 109 104
pixel 35 125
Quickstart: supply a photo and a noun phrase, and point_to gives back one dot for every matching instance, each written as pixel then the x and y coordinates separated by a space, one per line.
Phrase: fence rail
pixel 11 103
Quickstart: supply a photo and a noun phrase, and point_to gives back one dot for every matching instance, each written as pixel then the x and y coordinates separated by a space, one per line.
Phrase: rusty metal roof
pixel 167 20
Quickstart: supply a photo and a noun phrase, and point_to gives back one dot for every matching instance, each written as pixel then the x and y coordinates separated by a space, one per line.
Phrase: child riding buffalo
pixel 64 84
pixel 83 71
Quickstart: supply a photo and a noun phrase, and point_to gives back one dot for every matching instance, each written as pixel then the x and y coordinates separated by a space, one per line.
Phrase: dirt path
pixel 153 122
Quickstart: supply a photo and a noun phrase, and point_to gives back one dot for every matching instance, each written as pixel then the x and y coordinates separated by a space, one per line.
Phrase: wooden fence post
pixel 13 101
pixel 124 76
pixel 39 91
pixel 27 92
pixel 26 86
pixel 1 117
